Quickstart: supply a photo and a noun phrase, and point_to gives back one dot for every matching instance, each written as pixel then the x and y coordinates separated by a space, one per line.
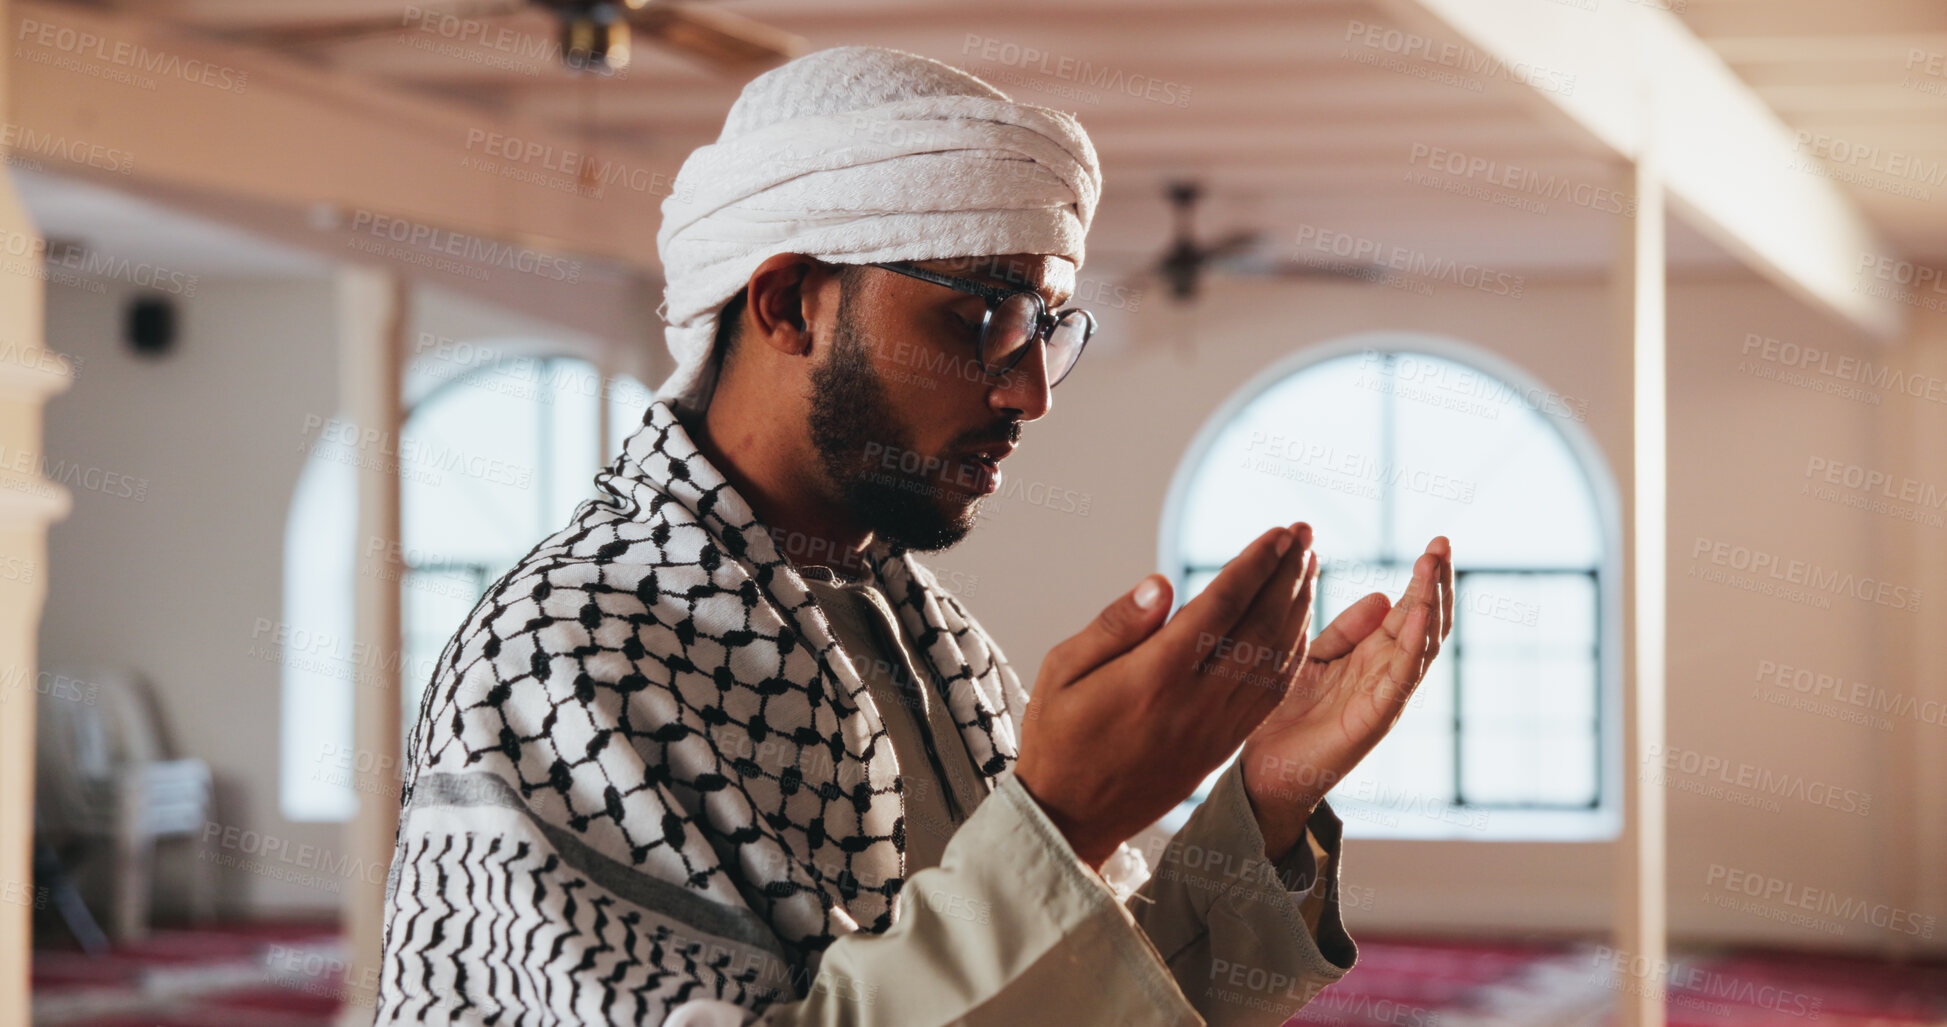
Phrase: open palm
pixel 1357 677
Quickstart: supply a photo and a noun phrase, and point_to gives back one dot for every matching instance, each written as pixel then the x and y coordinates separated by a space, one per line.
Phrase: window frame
pixel 1601 822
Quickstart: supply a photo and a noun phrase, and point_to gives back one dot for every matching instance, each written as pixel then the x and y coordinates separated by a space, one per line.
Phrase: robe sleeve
pixel 1010 929
pixel 1249 941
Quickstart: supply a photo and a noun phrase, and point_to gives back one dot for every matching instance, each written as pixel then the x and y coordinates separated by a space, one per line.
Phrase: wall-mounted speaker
pixel 151 326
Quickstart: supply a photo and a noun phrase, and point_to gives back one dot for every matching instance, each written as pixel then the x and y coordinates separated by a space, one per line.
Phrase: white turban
pixel 860 154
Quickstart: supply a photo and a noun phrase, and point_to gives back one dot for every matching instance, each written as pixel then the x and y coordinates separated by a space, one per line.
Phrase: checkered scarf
pixel 642 774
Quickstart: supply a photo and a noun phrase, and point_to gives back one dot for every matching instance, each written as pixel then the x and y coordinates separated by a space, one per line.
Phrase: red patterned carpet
pixel 291 975
pixel 256 975
pixel 1418 983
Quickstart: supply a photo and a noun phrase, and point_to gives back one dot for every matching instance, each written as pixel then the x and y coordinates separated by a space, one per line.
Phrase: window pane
pixel 628 400
pixel 1344 580
pixel 320 547
pixel 1527 613
pixel 435 603
pixel 1497 475
pixel 1528 688
pixel 470 462
pixel 569 394
pixel 1292 453
pixel 517 443
pixel 1570 779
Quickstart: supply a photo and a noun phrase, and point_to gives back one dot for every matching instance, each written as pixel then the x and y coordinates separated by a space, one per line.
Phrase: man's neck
pixel 771 475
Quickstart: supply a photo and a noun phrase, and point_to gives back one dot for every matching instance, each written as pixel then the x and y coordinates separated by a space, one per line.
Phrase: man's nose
pixel 1022 390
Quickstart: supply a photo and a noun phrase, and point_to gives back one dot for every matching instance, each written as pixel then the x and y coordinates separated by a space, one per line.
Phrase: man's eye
pixel 972 326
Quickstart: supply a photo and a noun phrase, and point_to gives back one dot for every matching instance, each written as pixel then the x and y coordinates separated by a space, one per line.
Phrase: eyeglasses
pixel 1014 319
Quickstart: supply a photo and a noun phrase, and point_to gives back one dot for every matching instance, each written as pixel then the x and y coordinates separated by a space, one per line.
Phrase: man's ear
pixel 780 293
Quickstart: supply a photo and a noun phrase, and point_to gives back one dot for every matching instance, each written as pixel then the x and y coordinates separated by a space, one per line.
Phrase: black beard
pixel 849 412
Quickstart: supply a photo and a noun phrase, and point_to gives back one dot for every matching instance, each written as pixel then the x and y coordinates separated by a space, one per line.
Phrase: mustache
pixel 1007 431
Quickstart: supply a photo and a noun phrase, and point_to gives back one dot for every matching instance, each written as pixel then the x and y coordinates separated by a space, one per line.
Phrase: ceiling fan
pixel 1184 263
pixel 595 35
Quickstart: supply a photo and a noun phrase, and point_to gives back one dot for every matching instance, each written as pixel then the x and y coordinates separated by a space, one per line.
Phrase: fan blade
pixel 282 36
pixel 1235 244
pixel 1378 274
pixel 718 36
pixel 1259 264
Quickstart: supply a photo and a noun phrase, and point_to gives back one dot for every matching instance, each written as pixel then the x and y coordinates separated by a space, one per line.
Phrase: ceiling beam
pixel 403 172
pixel 1637 80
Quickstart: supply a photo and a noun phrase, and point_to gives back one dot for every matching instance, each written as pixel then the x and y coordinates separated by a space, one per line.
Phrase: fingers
pixel 1255 649
pixel 1298 621
pixel 1412 651
pixel 1418 591
pixel 1417 623
pixel 1432 582
pixel 1350 627
pixel 1215 612
pixel 1438 594
pixel 1120 627
pixel 1446 585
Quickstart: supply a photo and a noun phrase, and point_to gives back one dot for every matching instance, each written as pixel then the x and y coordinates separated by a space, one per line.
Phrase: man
pixel 723 751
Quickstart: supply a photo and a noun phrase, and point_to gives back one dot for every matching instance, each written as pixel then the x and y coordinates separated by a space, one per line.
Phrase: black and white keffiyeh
pixel 643 773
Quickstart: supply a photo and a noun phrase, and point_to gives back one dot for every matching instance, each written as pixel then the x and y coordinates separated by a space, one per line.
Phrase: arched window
pixel 1382 442
pixel 504 452
pixel 497 451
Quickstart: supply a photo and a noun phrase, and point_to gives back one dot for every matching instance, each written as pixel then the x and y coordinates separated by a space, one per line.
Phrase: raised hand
pixel 1350 691
pixel 1127 719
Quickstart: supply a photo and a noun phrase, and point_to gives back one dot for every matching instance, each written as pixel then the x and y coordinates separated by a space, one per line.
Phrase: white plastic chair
pixel 103 787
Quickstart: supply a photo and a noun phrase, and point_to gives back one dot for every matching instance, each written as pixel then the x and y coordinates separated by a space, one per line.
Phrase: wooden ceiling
pixel 1864 84
pixel 1296 116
